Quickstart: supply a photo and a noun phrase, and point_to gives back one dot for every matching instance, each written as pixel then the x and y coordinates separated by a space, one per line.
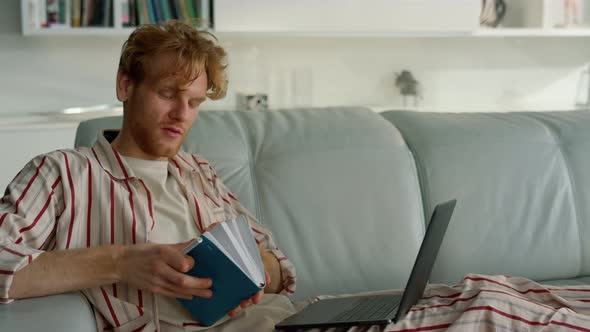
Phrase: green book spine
pixel 151 11
pixel 62 11
pixel 198 5
pixel 191 9
pixel 166 10
pixel 140 7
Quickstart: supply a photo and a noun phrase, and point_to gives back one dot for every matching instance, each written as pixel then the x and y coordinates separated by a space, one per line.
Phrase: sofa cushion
pixel 518 211
pixel 580 281
pixel 337 187
pixel 572 132
pixel 68 312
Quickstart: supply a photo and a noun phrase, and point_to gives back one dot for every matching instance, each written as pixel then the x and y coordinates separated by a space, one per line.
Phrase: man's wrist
pixel 117 254
pixel 273 267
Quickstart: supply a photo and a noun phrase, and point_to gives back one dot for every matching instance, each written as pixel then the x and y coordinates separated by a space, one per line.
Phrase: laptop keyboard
pixel 368 308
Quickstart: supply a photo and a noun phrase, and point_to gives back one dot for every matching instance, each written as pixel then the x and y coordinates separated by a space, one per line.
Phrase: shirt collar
pixel 110 160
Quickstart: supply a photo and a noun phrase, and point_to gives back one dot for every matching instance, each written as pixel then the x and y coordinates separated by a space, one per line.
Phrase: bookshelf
pixel 329 19
pixel 106 17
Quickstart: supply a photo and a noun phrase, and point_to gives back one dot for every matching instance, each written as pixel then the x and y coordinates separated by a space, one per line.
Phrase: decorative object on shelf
pixel 253 102
pixel 571 16
pixel 408 86
pixel 492 12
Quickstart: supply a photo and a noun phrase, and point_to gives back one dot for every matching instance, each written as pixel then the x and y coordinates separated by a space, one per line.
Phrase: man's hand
pixel 253 300
pixel 270 263
pixel 161 268
pixel 272 268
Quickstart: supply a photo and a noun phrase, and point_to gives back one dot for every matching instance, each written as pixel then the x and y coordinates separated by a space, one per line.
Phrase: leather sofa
pixel 347 191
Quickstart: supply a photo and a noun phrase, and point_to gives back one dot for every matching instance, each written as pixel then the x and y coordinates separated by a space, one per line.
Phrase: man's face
pixel 158 112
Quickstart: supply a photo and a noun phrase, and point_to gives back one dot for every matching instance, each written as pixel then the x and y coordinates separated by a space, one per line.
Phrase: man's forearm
pixel 55 272
pixel 273 267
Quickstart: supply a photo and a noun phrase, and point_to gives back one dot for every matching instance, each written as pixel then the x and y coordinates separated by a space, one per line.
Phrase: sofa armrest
pixel 63 312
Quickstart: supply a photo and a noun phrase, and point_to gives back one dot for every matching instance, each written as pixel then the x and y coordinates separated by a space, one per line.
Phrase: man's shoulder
pixel 70 153
pixel 65 156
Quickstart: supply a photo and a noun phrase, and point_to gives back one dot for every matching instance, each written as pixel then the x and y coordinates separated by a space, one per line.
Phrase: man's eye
pixel 167 94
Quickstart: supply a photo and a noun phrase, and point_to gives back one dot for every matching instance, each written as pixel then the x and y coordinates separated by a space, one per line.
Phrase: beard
pixel 151 142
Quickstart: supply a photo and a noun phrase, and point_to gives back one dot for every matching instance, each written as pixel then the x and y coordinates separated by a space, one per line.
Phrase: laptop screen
pixel 426 256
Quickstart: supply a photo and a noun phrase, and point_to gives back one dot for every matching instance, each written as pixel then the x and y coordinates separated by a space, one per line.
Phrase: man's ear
pixel 124 86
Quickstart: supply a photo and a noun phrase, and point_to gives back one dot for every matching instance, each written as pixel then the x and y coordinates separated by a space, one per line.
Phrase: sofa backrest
pixel 337 187
pixel 522 181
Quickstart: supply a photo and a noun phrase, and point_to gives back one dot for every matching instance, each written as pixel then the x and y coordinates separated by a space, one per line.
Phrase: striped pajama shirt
pixel 86 197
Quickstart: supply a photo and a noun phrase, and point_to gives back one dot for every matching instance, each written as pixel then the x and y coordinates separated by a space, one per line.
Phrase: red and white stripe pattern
pixel 88 197
pixel 496 303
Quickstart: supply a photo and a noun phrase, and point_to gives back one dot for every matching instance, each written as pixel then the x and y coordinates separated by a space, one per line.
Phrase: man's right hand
pixel 161 268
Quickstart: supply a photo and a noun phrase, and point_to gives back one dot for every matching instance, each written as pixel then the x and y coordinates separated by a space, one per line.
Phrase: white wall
pixel 458 74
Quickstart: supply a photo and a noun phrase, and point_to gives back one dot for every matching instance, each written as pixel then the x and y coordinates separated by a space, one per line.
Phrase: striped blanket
pixel 495 303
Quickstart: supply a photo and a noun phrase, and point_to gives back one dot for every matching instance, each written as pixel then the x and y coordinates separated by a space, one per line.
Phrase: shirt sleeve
pixel 262 235
pixel 28 213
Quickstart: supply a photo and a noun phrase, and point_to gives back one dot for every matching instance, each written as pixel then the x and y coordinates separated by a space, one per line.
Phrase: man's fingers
pixel 204 293
pixel 245 303
pixel 256 298
pixel 181 280
pixel 181 245
pixel 169 293
pixel 162 286
pixel 233 312
pixel 176 259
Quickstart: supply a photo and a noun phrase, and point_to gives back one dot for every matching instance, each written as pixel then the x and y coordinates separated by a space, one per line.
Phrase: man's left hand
pixel 253 300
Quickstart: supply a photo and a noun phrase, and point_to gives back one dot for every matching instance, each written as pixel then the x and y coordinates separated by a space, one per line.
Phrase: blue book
pixel 158 12
pixel 229 256
pixel 151 11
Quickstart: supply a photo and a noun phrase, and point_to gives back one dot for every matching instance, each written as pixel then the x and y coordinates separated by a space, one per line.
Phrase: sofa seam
pixel 253 177
pixel 419 195
pixel 423 183
pixel 558 141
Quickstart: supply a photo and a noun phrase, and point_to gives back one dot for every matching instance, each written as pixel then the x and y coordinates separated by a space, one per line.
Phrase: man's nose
pixel 180 110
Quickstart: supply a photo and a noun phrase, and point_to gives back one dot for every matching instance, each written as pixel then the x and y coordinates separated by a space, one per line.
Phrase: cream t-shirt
pixel 173 221
pixel 173 224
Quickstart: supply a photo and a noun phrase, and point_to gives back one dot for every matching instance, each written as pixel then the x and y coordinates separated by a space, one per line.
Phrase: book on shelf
pixel 47 14
pixel 229 256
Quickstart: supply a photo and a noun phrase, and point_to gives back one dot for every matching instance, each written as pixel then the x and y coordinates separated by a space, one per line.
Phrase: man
pixel 112 220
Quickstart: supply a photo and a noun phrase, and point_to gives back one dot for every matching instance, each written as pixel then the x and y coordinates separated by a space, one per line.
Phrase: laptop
pixel 379 309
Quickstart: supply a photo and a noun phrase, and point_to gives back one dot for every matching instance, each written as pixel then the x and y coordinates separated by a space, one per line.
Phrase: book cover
pixel 229 256
pixel 175 7
pixel 191 9
pixel 166 10
pixel 125 13
pixel 142 12
pixel 53 13
pixel 184 9
pixel 151 11
pixel 158 11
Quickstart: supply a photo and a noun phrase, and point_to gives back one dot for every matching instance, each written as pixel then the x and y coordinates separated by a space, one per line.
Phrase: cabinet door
pixel 343 16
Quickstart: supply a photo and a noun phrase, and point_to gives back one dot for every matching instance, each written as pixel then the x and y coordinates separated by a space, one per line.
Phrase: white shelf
pixel 532 32
pixel 525 18
pixel 500 32
pixel 90 31
pixel 339 34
